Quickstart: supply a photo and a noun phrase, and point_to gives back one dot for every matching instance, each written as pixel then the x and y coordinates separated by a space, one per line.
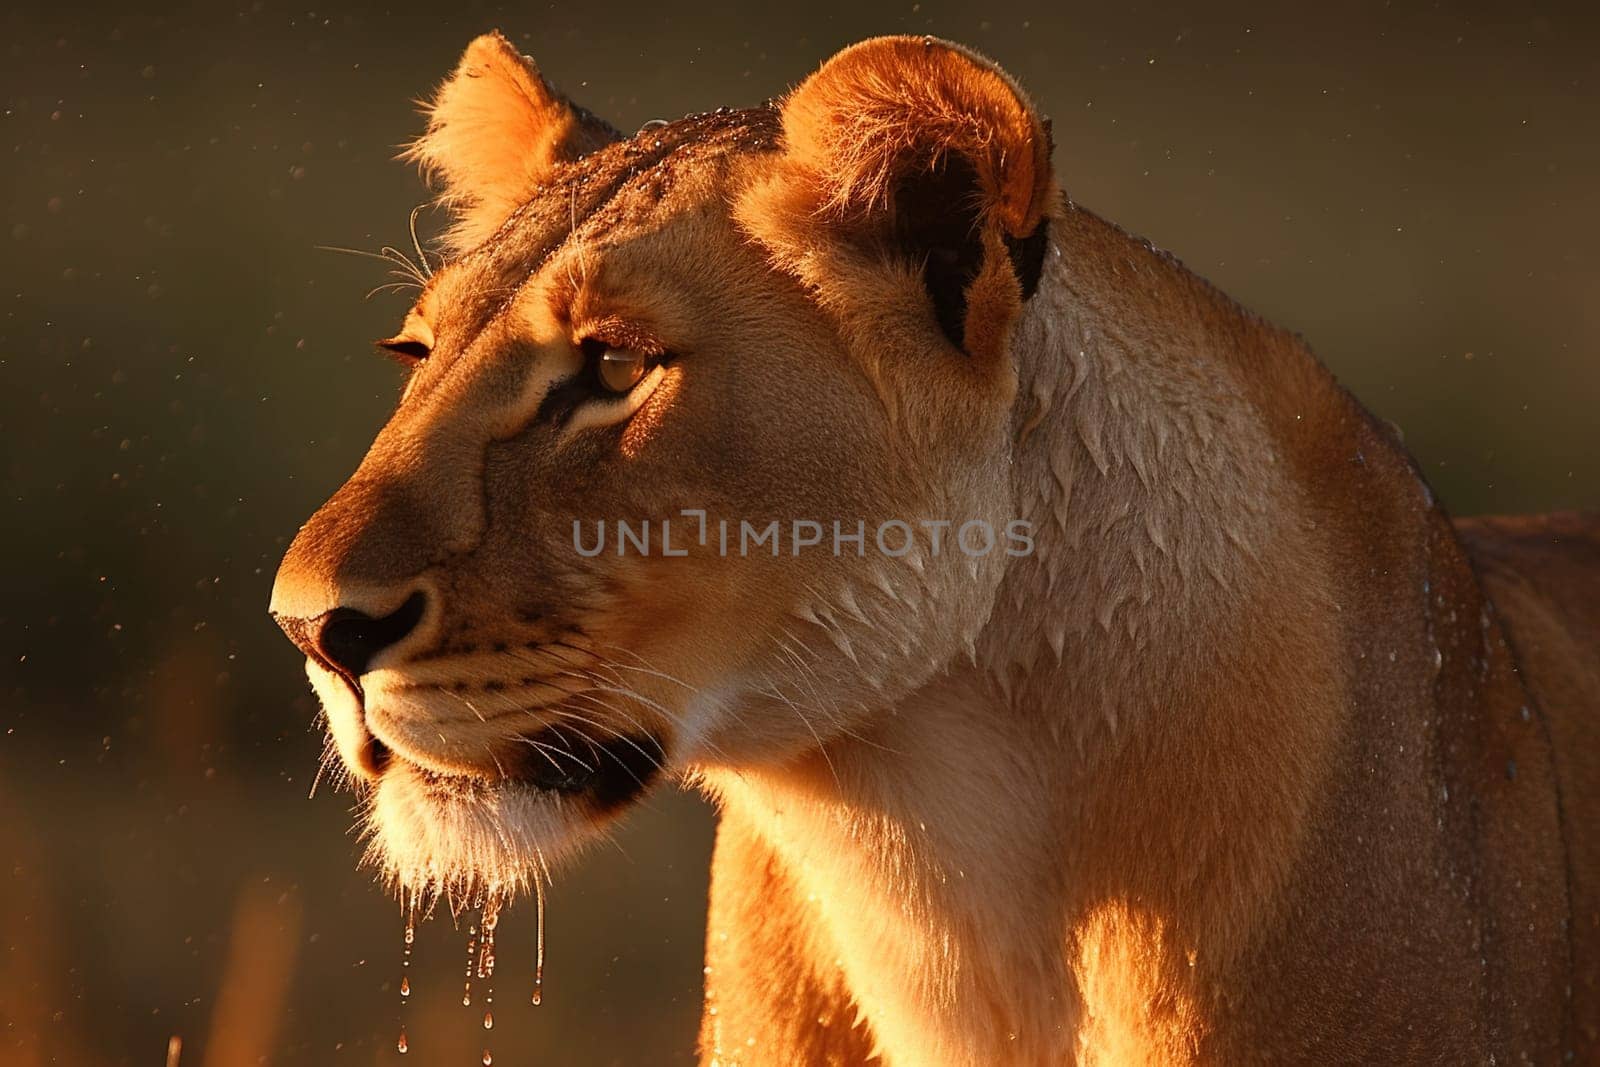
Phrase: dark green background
pixel 183 377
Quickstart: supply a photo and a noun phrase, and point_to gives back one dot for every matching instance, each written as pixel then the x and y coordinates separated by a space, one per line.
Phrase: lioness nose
pixel 347 640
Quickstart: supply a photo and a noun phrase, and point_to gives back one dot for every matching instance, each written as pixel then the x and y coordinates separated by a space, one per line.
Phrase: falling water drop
pixel 405 976
pixel 491 919
pixel 488 1058
pixel 472 957
pixel 538 958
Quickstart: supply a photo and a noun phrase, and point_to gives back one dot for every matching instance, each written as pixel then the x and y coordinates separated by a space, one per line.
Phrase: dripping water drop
pixel 538 958
pixel 405 976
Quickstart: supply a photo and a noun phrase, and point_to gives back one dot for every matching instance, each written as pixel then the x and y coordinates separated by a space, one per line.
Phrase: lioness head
pixel 761 359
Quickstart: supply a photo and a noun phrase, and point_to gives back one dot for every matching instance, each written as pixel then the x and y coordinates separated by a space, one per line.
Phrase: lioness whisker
pixel 457 696
pixel 645 668
pixel 388 255
pixel 568 751
pixel 806 674
pixel 654 760
pixel 822 748
pixel 621 737
pixel 543 749
pixel 623 690
pixel 395 286
pixel 593 677
pixel 601 705
pixel 422 257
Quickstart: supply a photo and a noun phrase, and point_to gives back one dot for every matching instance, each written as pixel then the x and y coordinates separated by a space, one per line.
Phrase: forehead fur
pixel 584 202
pixel 593 191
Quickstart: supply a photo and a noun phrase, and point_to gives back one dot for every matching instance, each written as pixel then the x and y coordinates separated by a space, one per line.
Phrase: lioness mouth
pixel 608 774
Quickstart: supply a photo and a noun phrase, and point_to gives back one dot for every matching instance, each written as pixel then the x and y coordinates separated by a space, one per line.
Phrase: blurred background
pixel 184 377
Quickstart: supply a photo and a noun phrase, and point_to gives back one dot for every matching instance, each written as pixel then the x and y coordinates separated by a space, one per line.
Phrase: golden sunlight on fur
pixel 496 129
pixel 1235 748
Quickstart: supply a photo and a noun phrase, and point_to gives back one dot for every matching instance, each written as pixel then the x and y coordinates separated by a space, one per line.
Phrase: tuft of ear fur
pixel 496 129
pixel 883 110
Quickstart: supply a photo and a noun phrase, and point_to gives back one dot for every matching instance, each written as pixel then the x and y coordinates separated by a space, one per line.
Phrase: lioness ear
pixel 935 149
pixel 495 130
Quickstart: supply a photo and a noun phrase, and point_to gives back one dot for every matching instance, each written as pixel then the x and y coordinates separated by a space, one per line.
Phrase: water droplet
pixel 538 959
pixel 488 1058
pixel 491 919
pixel 405 983
pixel 466 996
pixel 488 1020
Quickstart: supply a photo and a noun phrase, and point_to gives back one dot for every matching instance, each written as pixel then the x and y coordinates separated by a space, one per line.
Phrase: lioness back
pixel 1543 574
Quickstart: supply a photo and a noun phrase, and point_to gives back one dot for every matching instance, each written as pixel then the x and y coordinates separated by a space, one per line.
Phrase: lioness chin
pixel 1241 751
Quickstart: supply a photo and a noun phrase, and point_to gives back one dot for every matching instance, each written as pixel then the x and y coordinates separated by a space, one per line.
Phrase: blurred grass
pixel 255 981
pixel 183 378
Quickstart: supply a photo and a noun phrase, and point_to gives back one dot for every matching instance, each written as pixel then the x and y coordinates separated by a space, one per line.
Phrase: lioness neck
pixel 1049 852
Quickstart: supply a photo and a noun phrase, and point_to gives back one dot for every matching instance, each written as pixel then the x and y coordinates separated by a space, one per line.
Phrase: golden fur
pixel 1254 757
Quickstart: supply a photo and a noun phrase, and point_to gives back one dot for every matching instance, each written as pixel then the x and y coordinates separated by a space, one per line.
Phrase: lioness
pixel 1240 750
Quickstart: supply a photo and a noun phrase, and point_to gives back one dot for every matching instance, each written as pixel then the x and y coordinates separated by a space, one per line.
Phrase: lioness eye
pixel 407 351
pixel 414 341
pixel 620 369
